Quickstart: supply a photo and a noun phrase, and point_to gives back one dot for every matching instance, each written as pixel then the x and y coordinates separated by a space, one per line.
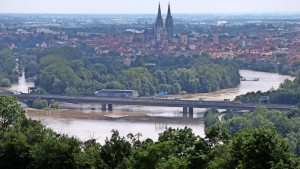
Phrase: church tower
pixel 159 26
pixel 169 25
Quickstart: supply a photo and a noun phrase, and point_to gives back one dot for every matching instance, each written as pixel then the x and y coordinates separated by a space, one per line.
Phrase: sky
pixel 148 6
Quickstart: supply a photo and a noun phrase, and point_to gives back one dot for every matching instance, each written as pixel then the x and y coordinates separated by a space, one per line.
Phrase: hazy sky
pixel 148 6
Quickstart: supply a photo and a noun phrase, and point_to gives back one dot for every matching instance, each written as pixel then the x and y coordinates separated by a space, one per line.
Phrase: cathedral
pixel 161 31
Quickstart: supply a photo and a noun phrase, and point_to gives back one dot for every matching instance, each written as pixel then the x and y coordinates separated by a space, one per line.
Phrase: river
pixel 149 121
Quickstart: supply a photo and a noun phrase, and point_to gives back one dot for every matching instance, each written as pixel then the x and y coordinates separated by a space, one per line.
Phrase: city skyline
pixel 148 6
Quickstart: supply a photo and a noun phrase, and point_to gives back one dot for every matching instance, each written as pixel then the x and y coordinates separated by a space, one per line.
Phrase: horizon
pixel 132 7
pixel 220 13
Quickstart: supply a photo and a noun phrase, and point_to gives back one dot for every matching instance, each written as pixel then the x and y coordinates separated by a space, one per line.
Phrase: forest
pixel 26 143
pixel 67 71
pixel 280 65
pixel 284 123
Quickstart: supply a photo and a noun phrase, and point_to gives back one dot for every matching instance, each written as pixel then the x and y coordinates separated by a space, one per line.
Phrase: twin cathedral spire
pixel 161 31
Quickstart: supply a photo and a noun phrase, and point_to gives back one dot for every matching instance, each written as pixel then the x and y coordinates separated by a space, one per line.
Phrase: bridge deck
pixel 152 102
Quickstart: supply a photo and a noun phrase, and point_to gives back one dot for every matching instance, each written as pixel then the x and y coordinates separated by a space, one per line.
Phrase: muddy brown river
pixel 84 123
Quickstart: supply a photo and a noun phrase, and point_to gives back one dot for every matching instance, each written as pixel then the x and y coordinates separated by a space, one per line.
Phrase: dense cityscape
pixel 260 37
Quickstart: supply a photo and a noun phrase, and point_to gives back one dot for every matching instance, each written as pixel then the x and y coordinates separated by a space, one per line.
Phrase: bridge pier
pixel 110 107
pixel 191 112
pixel 191 115
pixel 103 107
pixel 184 111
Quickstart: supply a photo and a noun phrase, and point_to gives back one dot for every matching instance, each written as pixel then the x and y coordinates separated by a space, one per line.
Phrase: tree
pixel 31 69
pixel 17 134
pixel 198 157
pixel 67 53
pixel 90 156
pixel 11 113
pixel 40 103
pixel 139 79
pixel 184 139
pixel 160 76
pixel 71 91
pixel 219 157
pixel 261 148
pixel 216 135
pixel 55 152
pixel 176 88
pixel 8 67
pixel 159 155
pixel 5 82
pixel 55 75
pixel 115 151
pixel 14 150
pixel 54 104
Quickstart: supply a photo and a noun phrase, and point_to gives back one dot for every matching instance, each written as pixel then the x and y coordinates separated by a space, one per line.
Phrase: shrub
pixel 40 103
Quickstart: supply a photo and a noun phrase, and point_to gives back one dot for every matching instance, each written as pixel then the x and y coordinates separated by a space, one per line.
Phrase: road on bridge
pixel 152 102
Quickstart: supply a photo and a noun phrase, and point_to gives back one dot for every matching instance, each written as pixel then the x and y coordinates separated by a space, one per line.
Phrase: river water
pixel 148 121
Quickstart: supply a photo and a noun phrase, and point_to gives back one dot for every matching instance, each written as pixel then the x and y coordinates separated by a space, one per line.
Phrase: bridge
pixel 187 105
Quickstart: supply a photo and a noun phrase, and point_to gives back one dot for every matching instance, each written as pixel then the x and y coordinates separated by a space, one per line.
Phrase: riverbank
pixel 147 120
pixel 109 116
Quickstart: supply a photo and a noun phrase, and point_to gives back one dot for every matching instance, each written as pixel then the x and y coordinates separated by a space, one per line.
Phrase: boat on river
pixel 244 79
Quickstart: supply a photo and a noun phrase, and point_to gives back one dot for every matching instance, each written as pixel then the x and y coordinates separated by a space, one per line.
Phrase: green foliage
pixel 61 73
pixel 211 117
pixel 150 155
pixel 184 139
pixel 26 143
pixel 220 157
pixel 29 62
pixel 139 79
pixel 71 91
pixel 31 69
pixel 57 75
pixel 281 66
pixel 215 135
pixel 261 148
pixel 287 124
pixel 5 82
pixel 198 157
pixel 14 150
pixel 54 104
pixel 40 104
pixel 55 152
pixel 115 151
pixel 11 113
pixel 90 156
pixel 67 53
pixel 288 93
pixel 253 148
pixel 17 134
pixel 8 71
pixel 259 65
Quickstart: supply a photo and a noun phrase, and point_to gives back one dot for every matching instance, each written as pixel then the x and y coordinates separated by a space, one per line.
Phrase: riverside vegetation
pixel 9 72
pixel 26 143
pixel 285 123
pixel 66 71
pixel 287 93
